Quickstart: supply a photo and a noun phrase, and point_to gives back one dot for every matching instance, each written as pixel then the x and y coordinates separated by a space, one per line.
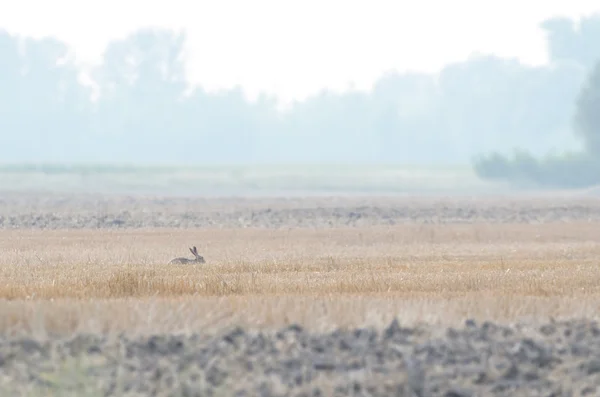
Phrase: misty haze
pixel 313 199
pixel 490 118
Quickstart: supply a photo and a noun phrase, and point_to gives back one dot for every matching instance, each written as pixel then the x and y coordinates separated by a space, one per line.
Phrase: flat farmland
pixel 303 296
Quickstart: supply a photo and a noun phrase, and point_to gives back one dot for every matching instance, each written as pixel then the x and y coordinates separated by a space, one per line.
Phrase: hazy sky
pixel 295 48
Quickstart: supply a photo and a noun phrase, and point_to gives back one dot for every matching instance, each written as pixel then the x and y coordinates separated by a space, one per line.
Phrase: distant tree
pixel 148 112
pixel 573 75
pixel 568 41
pixel 571 169
pixel 142 86
pixel 402 115
pixel 42 103
pixel 587 116
pixel 226 126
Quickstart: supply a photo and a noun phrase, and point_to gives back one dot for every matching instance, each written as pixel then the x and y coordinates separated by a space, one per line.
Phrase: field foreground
pixel 481 309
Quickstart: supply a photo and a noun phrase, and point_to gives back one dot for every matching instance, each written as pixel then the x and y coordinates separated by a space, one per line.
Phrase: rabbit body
pixel 197 259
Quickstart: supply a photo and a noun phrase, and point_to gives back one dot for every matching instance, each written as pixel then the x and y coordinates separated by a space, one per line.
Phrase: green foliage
pixel 144 109
pixel 572 170
pixel 568 40
pixel 587 116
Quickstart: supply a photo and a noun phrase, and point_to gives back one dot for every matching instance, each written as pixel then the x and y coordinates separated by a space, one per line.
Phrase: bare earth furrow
pixel 485 359
pixel 47 211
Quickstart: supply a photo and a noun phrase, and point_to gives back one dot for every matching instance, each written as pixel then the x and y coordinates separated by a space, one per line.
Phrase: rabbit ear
pixel 195 250
pixel 192 251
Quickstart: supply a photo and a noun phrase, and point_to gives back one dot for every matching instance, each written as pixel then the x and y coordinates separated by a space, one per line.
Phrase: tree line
pixel 144 110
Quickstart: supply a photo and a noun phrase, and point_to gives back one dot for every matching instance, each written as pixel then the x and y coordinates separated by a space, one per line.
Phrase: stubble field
pixel 321 296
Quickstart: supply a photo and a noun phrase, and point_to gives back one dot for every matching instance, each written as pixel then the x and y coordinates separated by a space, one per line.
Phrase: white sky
pixel 296 48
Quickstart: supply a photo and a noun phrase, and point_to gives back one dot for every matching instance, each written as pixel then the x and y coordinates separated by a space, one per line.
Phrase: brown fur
pixel 181 260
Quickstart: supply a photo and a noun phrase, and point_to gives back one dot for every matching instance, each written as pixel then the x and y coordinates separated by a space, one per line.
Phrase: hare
pixel 194 251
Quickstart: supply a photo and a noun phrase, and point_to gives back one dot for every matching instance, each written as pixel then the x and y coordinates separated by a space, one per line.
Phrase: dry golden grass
pixel 68 281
